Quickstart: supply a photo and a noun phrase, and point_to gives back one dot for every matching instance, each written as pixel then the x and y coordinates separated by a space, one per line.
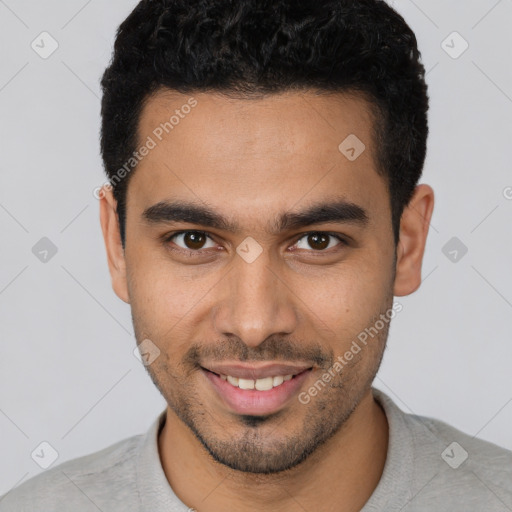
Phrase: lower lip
pixel 252 401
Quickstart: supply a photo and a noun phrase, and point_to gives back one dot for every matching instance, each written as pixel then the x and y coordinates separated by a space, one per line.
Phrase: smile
pixel 256 396
pixel 260 384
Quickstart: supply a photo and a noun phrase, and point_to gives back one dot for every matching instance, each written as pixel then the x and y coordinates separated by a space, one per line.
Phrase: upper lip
pixel 254 372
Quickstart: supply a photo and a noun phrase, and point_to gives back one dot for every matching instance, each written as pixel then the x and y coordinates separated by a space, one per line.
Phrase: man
pixel 263 210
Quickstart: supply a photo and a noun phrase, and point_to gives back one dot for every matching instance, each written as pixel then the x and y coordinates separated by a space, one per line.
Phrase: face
pixel 257 249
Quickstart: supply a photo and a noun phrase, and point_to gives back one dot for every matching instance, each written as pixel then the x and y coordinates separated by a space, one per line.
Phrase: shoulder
pixel 451 467
pixel 461 451
pixel 82 484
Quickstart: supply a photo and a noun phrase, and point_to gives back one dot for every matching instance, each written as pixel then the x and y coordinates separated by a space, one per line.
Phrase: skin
pixel 250 161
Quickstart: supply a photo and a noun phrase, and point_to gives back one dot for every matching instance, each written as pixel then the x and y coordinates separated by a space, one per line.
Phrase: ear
pixel 112 237
pixel 414 226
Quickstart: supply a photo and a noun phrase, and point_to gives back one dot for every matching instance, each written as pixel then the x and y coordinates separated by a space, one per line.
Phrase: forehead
pixel 257 154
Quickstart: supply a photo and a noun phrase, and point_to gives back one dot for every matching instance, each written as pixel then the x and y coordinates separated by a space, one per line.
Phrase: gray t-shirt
pixel 430 466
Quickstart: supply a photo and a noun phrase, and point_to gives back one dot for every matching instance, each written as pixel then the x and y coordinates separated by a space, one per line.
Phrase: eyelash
pixel 168 238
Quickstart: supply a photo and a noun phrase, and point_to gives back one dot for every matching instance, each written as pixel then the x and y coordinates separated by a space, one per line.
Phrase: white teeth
pixel 278 379
pixel 232 380
pixel 245 383
pixel 264 384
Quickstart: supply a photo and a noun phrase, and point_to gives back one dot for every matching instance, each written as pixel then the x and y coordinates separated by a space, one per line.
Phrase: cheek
pixel 344 298
pixel 154 286
pixel 166 305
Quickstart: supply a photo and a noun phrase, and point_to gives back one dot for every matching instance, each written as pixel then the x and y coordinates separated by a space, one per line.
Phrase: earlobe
pixel 111 235
pixel 414 226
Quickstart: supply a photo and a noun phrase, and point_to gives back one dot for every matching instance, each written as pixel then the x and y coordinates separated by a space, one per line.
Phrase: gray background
pixel 68 375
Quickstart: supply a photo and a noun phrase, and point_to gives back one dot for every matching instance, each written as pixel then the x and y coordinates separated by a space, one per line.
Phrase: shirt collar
pixel 157 495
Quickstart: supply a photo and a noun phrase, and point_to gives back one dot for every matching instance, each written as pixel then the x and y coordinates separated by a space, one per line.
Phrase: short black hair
pixel 251 48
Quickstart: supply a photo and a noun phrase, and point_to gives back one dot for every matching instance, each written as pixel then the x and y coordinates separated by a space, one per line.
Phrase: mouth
pixel 256 391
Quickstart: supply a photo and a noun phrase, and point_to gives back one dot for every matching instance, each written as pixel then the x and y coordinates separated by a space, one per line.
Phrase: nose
pixel 257 302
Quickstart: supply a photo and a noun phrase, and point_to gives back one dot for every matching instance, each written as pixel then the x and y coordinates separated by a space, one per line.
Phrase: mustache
pixel 274 348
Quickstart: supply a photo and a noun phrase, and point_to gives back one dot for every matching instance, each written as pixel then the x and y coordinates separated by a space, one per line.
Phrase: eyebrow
pixel 339 211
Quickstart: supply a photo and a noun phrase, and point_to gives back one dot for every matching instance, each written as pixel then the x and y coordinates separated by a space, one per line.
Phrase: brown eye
pixel 191 240
pixel 194 240
pixel 319 241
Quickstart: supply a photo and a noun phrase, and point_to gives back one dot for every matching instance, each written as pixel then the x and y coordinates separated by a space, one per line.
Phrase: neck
pixel 339 476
